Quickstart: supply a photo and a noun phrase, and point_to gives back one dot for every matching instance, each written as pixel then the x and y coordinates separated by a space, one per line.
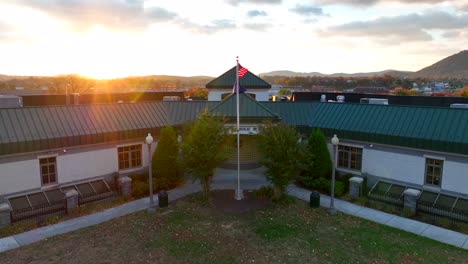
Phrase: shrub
pixel 345 180
pixel 141 177
pixel 406 212
pixel 263 192
pixel 316 162
pixel 166 169
pixel 140 189
pixel 339 188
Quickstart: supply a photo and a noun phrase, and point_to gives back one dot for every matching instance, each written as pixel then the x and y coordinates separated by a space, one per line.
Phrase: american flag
pixel 242 71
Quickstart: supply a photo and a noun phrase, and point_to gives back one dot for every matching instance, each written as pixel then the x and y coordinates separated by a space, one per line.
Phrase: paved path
pixel 227 179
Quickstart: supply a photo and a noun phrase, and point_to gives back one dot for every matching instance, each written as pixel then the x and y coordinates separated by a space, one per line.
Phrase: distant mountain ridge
pixel 286 73
pixel 454 66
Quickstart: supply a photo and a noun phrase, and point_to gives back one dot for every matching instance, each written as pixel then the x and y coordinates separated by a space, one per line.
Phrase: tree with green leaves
pixel 317 162
pixel 204 149
pixel 280 151
pixel 284 91
pixel 166 169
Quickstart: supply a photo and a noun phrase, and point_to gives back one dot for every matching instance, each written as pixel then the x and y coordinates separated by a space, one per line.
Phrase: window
pixel 129 157
pixel 349 157
pixel 48 170
pixel 434 171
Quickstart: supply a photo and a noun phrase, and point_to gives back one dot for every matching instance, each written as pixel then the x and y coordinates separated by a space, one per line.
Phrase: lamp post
pixel 335 141
pixel 149 141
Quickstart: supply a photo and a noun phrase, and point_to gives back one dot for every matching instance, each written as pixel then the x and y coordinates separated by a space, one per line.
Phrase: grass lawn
pixel 190 232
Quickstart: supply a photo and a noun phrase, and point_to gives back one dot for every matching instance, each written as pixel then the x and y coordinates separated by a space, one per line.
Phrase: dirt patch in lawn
pixel 225 201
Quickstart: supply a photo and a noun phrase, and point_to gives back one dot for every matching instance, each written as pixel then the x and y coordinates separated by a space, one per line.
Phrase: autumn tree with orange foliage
pixel 197 92
pixel 402 91
pixel 463 92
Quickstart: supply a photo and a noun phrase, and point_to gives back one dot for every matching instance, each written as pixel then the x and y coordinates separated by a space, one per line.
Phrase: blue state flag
pixel 234 89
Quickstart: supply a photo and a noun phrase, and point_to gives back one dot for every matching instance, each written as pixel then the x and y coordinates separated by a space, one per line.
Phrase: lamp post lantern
pixel 149 141
pixel 335 141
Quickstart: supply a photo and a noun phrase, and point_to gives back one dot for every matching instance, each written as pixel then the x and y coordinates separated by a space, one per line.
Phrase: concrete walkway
pixel 227 179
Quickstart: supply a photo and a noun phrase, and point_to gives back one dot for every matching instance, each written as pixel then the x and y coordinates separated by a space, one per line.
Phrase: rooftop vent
pixel 377 101
pixel 465 106
pixel 11 101
pixel 323 98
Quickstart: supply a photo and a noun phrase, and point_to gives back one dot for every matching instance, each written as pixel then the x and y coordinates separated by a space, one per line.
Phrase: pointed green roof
pixel 249 108
pixel 249 81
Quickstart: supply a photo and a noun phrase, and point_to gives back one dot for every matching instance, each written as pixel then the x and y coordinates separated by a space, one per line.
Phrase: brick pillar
pixel 355 187
pixel 411 200
pixel 125 186
pixel 72 199
pixel 5 219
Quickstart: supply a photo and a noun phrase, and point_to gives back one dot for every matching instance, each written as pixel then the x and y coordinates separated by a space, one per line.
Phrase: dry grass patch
pixel 190 231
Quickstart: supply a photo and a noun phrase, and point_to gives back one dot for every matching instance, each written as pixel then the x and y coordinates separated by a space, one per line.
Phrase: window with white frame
pixel 129 157
pixel 349 157
pixel 434 171
pixel 48 170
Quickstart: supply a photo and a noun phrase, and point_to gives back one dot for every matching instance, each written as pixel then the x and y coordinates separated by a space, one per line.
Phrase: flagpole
pixel 239 193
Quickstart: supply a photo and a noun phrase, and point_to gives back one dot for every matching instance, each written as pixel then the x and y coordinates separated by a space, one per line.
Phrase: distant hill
pixel 400 74
pixel 291 74
pixel 455 66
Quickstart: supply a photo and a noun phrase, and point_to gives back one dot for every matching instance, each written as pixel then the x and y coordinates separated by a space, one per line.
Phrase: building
pixel 46 150
pixel 222 86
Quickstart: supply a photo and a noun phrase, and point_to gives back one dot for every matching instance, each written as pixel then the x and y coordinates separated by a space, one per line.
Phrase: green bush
pixel 324 185
pixel 264 192
pixel 141 177
pixel 140 189
pixel 339 188
pixel 316 163
pixel 345 180
pixel 166 168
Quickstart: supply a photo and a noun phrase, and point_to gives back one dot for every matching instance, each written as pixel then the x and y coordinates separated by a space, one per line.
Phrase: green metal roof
pixel 438 129
pixel 181 112
pixel 248 108
pixel 292 113
pixel 227 79
pixel 42 128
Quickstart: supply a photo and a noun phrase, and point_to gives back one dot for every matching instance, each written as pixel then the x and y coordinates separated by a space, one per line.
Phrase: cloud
pixel 266 2
pixel 256 13
pixel 258 26
pixel 451 34
pixel 117 14
pixel 159 14
pixel 307 10
pixel 214 27
pixel 463 7
pixel 412 27
pixel 373 2
pixel 5 30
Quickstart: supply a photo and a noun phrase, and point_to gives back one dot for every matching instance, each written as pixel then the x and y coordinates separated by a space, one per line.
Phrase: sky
pixel 119 38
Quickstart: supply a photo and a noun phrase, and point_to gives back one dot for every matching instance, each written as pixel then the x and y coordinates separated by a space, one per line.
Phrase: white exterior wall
pixel 215 95
pixel 395 166
pixel 19 176
pixel 79 166
pixel 71 167
pixel 455 177
pixel 260 95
